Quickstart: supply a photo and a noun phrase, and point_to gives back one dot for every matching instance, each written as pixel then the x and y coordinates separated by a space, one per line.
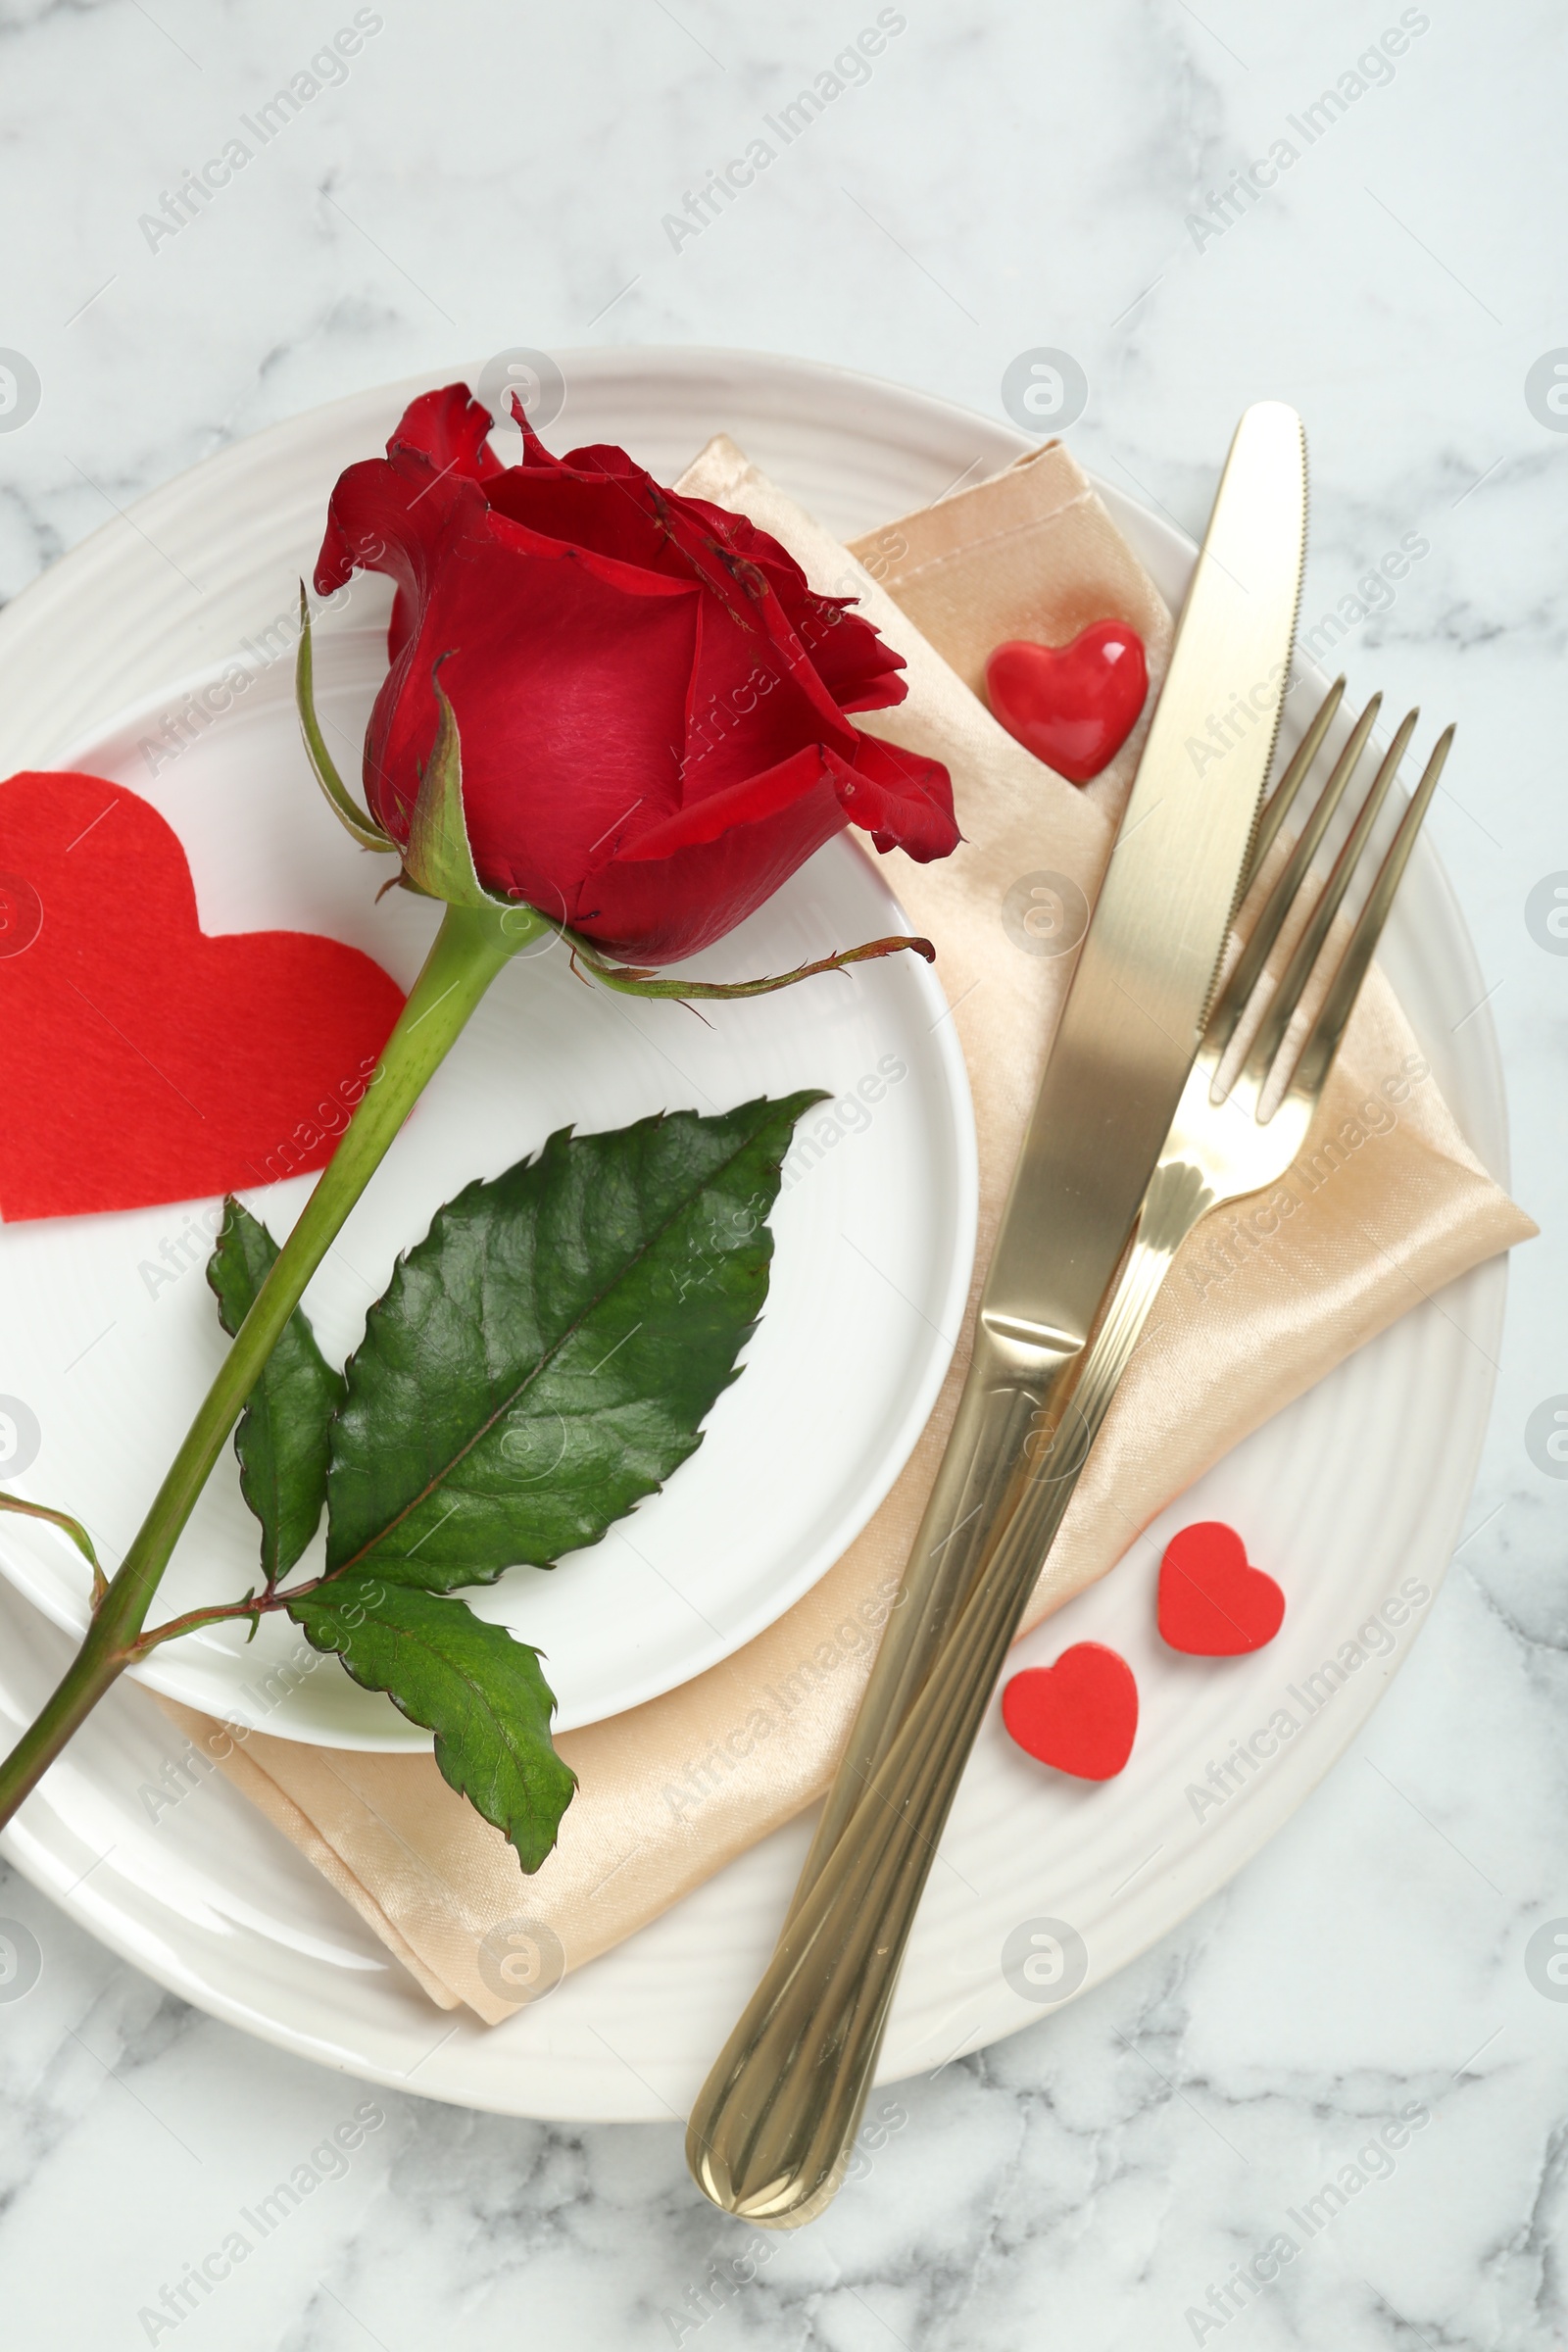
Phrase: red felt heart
pixel 1079 1715
pixel 1212 1603
pixel 1073 705
pixel 145 1061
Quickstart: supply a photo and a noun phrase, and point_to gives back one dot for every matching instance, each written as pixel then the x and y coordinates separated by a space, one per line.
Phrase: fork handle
pixel 993 1423
pixel 773 2126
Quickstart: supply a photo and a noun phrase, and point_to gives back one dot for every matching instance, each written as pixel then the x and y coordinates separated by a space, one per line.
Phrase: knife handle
pixel 773 2130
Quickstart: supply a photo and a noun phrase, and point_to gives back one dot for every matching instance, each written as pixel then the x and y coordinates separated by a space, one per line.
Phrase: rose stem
pixel 470 948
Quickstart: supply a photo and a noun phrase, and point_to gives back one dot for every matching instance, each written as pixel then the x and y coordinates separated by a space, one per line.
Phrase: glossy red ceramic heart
pixel 144 1060
pixel 1212 1604
pixel 1073 705
pixel 1079 1715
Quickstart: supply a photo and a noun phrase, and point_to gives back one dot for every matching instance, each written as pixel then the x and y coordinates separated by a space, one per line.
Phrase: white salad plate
pixel 109 1334
pixel 1043 1885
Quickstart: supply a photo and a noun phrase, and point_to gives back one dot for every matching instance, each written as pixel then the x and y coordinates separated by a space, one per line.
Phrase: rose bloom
pixel 651 702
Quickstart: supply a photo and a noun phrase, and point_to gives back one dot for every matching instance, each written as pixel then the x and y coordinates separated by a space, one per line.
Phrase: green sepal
pixel 439 857
pixel 365 829
pixel 632 980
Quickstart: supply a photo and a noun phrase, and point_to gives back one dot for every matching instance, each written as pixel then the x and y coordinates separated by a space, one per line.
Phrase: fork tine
pixel 1282 798
pixel 1317 1055
pixel 1238 990
pixel 1293 980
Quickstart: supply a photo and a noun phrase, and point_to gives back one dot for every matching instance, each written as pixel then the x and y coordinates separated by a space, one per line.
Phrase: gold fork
pixel 773 2126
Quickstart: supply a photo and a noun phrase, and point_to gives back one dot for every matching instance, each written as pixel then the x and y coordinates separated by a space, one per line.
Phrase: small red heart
pixel 1212 1603
pixel 1073 705
pixel 144 1060
pixel 1079 1715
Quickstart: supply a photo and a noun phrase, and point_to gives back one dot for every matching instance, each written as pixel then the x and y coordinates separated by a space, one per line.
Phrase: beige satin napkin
pixel 1387 1206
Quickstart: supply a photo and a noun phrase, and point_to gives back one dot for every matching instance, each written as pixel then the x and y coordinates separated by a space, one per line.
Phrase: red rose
pixel 650 700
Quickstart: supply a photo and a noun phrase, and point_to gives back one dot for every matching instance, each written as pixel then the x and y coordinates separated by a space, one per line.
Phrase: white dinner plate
pixel 218 1907
pixel 111 1355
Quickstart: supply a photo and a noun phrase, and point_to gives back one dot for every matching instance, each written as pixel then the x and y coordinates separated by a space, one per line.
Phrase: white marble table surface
pixel 1006 178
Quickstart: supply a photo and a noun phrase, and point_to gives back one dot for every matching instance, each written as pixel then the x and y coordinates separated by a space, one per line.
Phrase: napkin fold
pixel 1386 1204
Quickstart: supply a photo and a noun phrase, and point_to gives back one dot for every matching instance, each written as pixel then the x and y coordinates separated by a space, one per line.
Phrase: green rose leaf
pixel 282 1436
pixel 480 1692
pixel 546 1356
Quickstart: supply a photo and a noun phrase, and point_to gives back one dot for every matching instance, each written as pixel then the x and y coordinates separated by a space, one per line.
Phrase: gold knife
pixel 772 2131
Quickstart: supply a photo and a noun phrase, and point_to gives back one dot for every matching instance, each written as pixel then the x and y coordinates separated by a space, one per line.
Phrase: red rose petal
pixel 451 429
